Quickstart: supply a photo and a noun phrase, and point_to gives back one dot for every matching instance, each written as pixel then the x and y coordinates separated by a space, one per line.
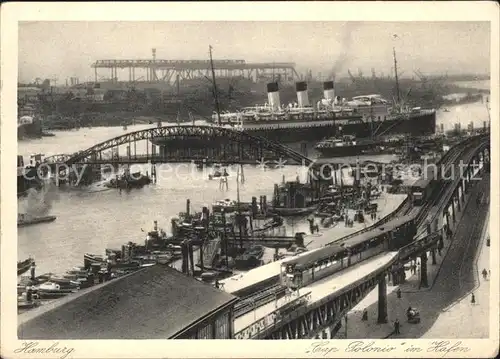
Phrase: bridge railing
pixel 191 130
pixel 302 310
pixel 271 319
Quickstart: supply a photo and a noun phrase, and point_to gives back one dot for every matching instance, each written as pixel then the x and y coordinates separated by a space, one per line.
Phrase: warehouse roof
pixel 157 302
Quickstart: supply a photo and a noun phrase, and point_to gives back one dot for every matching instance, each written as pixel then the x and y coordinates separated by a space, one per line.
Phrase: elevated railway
pixel 312 316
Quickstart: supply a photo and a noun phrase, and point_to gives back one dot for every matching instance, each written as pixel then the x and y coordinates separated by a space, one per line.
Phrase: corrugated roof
pixel 154 303
pixel 337 247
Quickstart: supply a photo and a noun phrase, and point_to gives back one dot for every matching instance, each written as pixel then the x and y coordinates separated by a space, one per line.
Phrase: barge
pixel 24 219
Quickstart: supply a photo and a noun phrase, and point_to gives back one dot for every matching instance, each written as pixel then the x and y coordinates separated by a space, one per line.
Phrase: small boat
pixel 24 219
pixel 53 290
pixel 126 181
pixel 90 259
pixel 251 258
pixel 65 283
pixel 24 266
pixel 25 304
pixel 290 212
pixel 132 265
pixel 230 206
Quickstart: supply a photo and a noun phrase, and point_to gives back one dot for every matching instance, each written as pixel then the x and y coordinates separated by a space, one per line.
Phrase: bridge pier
pixel 153 172
pixel 447 216
pixel 382 300
pixel 423 270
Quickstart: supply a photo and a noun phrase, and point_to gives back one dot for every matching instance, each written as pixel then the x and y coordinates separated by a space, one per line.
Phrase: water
pixel 482 84
pixel 463 114
pixel 92 221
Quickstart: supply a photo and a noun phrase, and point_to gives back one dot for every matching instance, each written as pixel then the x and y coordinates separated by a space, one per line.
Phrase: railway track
pixel 441 198
pixel 258 299
pixel 266 295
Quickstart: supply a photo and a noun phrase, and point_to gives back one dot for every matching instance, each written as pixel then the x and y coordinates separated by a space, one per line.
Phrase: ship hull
pixel 29 130
pixel 417 125
pixel 345 151
pixel 314 131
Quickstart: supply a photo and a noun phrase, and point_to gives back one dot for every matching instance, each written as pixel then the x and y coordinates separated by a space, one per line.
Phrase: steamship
pixel 362 116
pixel 28 124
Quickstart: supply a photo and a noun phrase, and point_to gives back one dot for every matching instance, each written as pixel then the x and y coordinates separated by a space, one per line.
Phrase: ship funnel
pixel 273 95
pixel 329 90
pixel 302 97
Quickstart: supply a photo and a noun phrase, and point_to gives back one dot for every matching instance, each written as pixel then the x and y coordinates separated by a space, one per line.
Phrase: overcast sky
pixel 64 49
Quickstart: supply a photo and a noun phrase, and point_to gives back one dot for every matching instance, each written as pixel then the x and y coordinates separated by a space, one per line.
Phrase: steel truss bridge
pixel 169 70
pixel 215 144
pixel 309 320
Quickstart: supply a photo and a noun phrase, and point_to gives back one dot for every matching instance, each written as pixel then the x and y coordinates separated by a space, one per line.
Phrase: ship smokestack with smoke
pixel 302 96
pixel 329 90
pixel 273 95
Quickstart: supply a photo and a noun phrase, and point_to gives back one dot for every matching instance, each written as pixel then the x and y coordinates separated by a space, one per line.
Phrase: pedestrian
pixel 473 299
pixel 398 293
pixel 365 315
pixel 396 327
pixel 485 274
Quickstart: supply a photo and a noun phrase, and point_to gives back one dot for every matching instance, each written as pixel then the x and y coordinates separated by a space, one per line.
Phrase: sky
pixel 67 49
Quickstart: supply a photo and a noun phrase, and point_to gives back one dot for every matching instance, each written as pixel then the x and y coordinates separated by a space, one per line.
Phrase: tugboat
pixel 350 146
pixel 128 180
pixel 24 266
pixel 293 199
pixel 24 219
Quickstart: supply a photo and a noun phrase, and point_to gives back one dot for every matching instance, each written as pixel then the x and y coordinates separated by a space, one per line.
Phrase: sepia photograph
pixel 321 180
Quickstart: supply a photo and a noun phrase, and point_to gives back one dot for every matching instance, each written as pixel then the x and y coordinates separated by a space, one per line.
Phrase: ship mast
pixel 215 86
pixel 396 74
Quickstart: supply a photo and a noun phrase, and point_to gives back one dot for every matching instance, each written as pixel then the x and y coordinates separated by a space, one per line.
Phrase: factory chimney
pixel 329 90
pixel 273 95
pixel 302 97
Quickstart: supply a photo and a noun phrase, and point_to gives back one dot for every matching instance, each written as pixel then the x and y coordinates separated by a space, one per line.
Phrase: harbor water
pixel 90 220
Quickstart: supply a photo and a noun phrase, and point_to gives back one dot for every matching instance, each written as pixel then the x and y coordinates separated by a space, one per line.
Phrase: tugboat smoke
pixel 40 203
